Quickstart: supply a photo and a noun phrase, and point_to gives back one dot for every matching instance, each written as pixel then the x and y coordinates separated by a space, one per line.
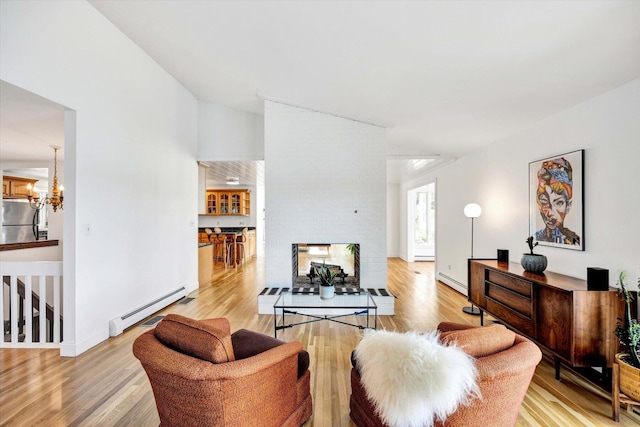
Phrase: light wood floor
pixel 106 385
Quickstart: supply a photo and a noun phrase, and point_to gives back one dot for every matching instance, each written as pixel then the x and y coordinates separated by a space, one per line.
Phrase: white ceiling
pixel 29 126
pixel 248 173
pixel 445 77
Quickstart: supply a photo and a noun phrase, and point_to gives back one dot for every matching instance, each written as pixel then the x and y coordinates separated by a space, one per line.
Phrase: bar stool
pixel 219 249
pixel 240 241
pixel 230 245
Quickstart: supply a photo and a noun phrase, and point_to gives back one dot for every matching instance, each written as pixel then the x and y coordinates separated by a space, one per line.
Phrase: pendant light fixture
pixel 57 193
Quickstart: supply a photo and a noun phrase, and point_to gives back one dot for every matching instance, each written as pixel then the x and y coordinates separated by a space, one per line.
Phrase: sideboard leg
pixel 556 361
pixel 615 392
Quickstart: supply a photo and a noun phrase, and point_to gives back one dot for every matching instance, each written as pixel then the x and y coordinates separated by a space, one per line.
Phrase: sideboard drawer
pixel 513 318
pixel 516 302
pixel 523 287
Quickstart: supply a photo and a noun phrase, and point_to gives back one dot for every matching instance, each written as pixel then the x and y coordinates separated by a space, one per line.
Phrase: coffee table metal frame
pixel 362 302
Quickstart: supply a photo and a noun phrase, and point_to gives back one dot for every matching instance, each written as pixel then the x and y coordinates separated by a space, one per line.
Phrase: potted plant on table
pixel 533 263
pixel 628 332
pixel 327 276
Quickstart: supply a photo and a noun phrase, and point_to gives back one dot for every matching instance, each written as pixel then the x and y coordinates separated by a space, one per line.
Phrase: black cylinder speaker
pixel 503 255
pixel 597 279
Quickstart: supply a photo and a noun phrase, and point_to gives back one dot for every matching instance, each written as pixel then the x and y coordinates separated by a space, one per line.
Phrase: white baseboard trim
pixel 73 348
pixel 193 287
pixel 118 324
pixel 453 283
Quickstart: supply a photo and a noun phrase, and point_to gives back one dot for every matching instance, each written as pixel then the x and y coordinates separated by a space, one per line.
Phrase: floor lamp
pixel 472 210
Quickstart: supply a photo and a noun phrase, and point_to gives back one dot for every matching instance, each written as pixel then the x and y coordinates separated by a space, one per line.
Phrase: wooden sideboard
pixel 556 311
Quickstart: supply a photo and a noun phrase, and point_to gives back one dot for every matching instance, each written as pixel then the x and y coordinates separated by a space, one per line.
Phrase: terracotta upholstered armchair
pixel 203 375
pixel 505 364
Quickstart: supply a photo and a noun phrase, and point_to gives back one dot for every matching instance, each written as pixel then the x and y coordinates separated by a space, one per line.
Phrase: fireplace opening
pixel 344 257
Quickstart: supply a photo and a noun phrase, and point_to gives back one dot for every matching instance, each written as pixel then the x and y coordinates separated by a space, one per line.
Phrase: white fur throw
pixel 412 378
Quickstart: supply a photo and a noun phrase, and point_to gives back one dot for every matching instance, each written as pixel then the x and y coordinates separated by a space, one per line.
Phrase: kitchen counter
pixel 205 263
pixel 27 245
pixel 249 248
pixel 227 229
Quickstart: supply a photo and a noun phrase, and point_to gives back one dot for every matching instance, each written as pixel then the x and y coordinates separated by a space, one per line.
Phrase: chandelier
pixel 57 194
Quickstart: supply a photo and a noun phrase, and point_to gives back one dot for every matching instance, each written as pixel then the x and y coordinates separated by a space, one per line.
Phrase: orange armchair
pixel 505 362
pixel 203 375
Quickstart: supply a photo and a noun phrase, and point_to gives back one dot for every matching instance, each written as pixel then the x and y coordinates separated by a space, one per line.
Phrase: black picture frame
pixel 556 200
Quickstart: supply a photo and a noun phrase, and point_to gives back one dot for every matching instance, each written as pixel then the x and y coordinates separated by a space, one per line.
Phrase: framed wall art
pixel 556 201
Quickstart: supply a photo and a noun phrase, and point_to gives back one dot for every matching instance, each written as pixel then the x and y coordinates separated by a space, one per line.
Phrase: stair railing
pixel 28 320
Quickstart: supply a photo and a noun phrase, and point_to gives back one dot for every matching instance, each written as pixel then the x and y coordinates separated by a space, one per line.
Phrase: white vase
pixel 327 292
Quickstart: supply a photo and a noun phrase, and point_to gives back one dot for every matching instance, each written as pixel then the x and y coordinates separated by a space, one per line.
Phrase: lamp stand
pixel 472 310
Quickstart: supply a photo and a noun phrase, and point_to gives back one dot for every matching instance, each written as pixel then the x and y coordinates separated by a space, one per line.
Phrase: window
pixel 425 215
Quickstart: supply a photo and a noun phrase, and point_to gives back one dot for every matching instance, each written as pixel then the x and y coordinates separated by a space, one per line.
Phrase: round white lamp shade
pixel 472 210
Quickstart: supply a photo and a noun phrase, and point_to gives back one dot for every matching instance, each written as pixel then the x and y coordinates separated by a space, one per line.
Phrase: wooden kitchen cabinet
pixel 251 244
pixel 213 202
pixel 205 264
pixel 228 202
pixel 15 187
pixel 235 198
pixel 224 203
pixel 245 204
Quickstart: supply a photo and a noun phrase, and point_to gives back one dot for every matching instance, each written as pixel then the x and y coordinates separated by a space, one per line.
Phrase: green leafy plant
pixel 326 275
pixel 351 247
pixel 531 245
pixel 628 330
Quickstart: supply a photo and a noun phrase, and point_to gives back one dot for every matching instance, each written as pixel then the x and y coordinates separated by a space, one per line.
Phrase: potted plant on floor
pixel 628 332
pixel 533 263
pixel 327 276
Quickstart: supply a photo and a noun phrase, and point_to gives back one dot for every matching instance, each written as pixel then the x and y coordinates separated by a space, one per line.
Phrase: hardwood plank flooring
pixel 106 386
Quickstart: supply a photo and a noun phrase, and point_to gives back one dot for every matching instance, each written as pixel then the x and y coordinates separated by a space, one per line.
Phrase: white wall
pixel 202 190
pixel 131 172
pixel 228 134
pixel 319 170
pixel 393 220
pixel 496 177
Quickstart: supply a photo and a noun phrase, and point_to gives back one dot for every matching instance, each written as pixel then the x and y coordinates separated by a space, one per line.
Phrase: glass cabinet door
pixel 224 203
pixel 212 203
pixel 235 203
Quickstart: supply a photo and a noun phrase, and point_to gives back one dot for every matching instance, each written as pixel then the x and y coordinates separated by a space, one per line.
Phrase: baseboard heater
pixel 119 324
pixel 453 283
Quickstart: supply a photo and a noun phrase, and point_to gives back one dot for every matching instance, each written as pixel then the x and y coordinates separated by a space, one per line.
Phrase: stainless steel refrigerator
pixel 19 222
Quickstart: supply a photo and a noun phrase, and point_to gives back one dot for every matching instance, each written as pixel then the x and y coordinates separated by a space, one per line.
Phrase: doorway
pixel 422 223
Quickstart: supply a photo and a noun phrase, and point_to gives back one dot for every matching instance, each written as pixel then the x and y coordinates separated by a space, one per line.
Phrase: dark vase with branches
pixel 533 263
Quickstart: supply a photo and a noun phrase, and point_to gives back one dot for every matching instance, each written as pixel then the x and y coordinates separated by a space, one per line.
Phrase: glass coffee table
pixel 288 302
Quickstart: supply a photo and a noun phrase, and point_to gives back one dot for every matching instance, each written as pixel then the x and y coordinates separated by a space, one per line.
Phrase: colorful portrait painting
pixel 556 199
